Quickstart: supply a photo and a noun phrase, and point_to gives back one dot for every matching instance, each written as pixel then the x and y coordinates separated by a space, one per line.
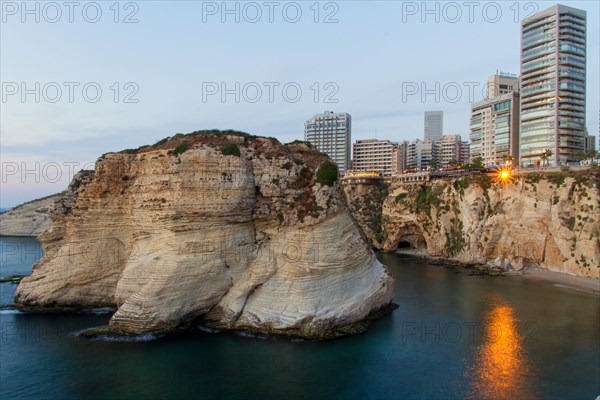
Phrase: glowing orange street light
pixel 505 175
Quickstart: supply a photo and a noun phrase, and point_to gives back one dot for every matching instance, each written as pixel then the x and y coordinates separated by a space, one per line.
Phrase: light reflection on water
pixel 549 348
pixel 500 368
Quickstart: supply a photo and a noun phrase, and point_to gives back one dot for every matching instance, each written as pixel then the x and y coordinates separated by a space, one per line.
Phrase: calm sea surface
pixel 453 336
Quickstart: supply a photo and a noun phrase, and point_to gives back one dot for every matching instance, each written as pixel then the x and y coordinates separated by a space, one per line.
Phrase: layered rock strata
pixel 549 221
pixel 228 228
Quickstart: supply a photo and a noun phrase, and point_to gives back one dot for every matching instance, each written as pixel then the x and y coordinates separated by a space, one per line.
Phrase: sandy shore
pixel 567 281
pixel 563 280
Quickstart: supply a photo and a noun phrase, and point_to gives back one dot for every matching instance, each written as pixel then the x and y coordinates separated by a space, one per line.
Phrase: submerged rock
pixel 228 228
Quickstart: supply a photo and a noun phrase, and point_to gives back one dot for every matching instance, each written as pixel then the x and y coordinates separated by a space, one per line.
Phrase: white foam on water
pixel 560 285
pixel 10 311
pixel 252 335
pixel 206 329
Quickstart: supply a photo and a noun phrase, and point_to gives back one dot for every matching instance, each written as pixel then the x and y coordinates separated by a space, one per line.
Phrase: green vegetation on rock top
pixel 231 149
pixel 327 173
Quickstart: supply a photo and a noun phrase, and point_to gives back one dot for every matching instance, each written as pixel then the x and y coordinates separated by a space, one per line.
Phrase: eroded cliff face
pixel 179 230
pixel 551 222
pixel 366 204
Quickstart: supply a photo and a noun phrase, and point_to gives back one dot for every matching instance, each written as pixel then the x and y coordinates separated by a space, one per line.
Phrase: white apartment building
pixel 449 150
pixel 374 155
pixel 421 153
pixel 495 129
pixel 465 152
pixel 331 133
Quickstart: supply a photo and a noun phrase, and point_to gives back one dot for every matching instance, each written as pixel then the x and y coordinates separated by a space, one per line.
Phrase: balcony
pixel 572 49
pixel 571 61
pixel 537 64
pixel 532 55
pixel 538 89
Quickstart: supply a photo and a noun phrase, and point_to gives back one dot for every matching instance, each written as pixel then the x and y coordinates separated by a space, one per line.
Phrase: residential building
pixel 553 80
pixel 331 133
pixel 449 151
pixel 401 157
pixel 374 155
pixel 495 129
pixel 502 83
pixel 590 143
pixel 434 125
pixel 465 152
pixel 421 153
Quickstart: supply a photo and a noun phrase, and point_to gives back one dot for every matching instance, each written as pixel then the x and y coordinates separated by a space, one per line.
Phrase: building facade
pixel 449 151
pixel 331 133
pixel 465 152
pixel 553 79
pixel 495 129
pixel 421 153
pixel 434 125
pixel 374 155
pixel 502 83
pixel 590 143
pixel 401 157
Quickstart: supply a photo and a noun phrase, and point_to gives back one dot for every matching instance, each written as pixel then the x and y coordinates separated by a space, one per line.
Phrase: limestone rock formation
pixel 548 221
pixel 366 204
pixel 227 227
pixel 28 219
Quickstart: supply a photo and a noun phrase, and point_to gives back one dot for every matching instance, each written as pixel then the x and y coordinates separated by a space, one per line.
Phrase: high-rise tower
pixel 553 78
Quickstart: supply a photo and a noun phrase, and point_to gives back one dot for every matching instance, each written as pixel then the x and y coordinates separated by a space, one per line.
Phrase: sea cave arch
pixel 409 242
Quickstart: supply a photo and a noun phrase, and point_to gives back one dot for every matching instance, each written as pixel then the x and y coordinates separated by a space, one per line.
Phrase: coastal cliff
pixel 548 221
pixel 235 231
pixel 28 219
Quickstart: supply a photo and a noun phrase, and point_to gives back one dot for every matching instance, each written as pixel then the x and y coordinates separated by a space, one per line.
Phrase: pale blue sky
pixel 372 52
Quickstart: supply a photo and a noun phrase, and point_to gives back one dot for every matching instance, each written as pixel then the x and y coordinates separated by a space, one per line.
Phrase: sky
pixel 87 78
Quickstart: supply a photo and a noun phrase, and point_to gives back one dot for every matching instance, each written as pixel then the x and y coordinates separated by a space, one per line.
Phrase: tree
pixel 477 162
pixel 432 164
pixel 584 155
pixel 327 173
pixel 546 155
pixel 508 159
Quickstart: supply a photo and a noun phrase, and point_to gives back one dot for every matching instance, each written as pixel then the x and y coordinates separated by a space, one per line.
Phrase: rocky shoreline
pixel 495 268
pixel 547 221
pixel 355 328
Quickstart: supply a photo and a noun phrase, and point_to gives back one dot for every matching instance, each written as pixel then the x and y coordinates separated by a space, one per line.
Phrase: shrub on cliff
pixel 161 142
pixel 231 149
pixel 327 173
pixel 181 147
